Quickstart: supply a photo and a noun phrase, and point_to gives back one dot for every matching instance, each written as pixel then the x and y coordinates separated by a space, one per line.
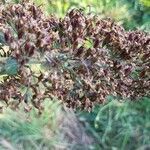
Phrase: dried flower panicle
pixel 85 58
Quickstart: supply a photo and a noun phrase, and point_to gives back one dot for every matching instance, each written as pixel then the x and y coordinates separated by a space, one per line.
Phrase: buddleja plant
pixel 85 59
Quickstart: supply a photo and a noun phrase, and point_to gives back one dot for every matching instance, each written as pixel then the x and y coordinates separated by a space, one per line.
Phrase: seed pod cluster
pixel 85 58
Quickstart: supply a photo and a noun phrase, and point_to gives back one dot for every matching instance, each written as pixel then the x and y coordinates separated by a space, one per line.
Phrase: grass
pixel 119 125
pixel 55 129
pixel 115 125
pixel 20 130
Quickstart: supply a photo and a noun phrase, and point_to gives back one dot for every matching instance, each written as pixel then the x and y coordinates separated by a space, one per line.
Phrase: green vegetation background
pixel 116 125
pixel 131 13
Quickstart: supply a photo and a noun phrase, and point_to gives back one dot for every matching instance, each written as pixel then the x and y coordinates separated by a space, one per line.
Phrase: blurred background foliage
pixel 131 13
pixel 116 125
pixel 119 125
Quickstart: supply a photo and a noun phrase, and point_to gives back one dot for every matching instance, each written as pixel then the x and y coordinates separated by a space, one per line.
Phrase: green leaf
pixel 11 66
